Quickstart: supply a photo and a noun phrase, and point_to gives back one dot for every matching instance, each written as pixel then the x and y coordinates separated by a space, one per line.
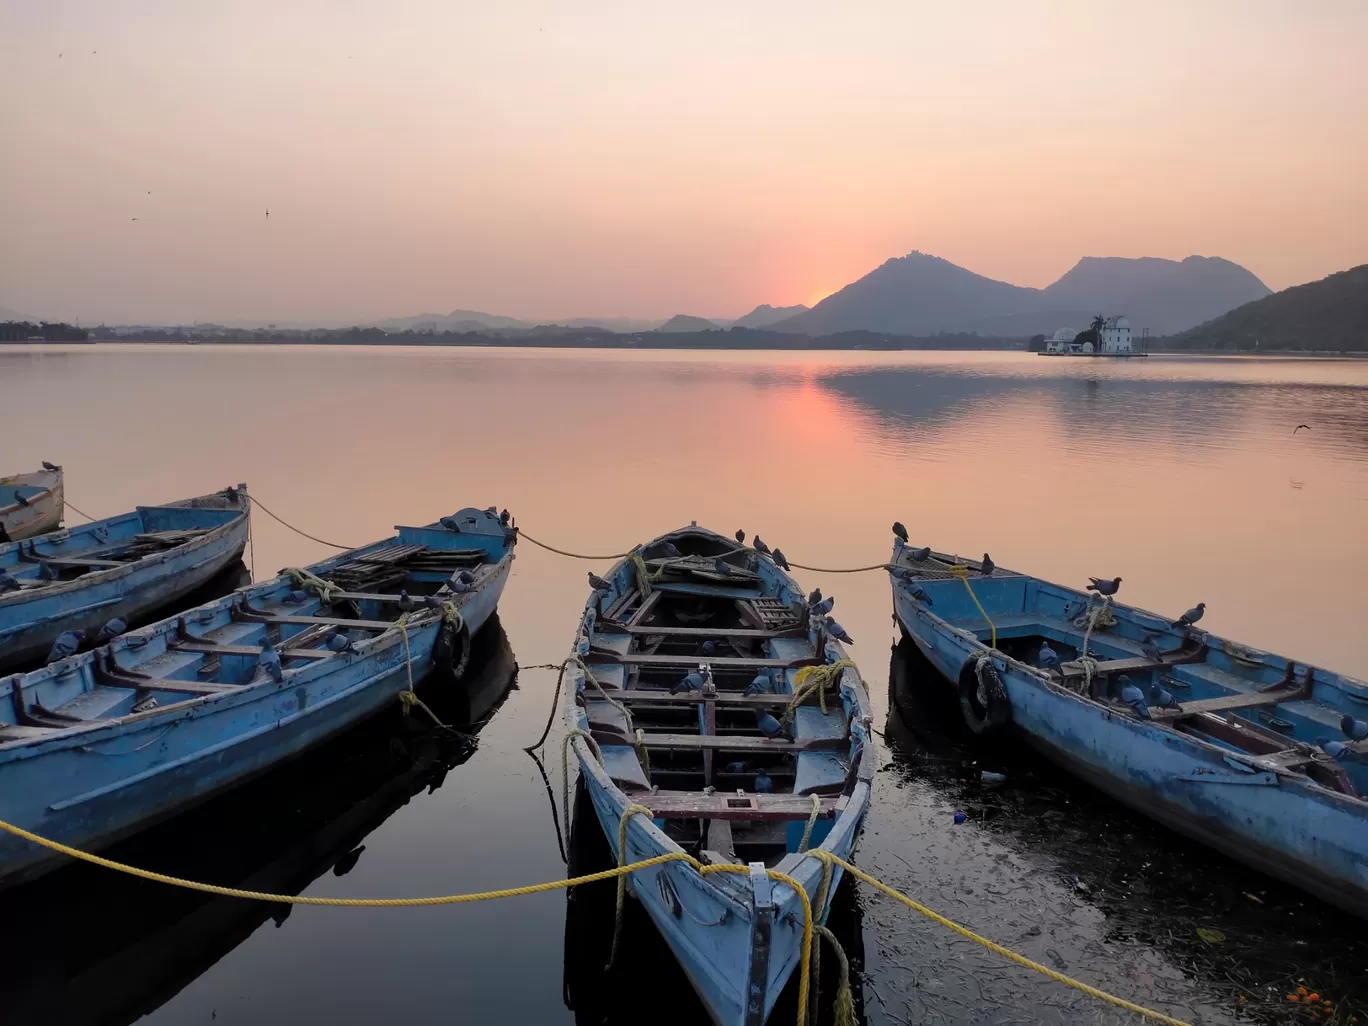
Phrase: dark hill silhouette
pixel 764 315
pixel 684 322
pixel 1328 314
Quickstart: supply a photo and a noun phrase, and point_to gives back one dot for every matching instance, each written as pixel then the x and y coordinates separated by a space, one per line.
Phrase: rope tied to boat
pixel 843 1007
pixel 310 581
pixel 563 552
pixel 816 679
pixel 962 572
pixel 570 735
pixel 627 814
pixel 257 502
pixel 1095 616
pixel 609 874
pixel 811 822
pixel 645 576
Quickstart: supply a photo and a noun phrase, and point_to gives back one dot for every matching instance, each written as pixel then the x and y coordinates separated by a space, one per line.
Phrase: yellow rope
pixel 311 581
pixel 818 679
pixel 627 814
pixel 811 822
pixel 962 572
pixel 609 874
pixel 996 948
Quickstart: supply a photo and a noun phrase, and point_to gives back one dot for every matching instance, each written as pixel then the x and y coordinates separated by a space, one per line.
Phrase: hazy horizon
pixel 546 163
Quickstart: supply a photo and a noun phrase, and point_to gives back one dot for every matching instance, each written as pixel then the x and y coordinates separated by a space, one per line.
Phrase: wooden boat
pixel 694 752
pixel 98 745
pixel 125 568
pixel 1251 753
pixel 103 949
pixel 30 503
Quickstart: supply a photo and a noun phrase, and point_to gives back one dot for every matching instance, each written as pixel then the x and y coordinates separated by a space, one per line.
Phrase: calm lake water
pixel 1183 476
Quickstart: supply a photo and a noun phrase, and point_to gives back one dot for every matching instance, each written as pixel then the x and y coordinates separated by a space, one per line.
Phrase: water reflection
pixel 99 947
pixel 646 979
pixel 1154 889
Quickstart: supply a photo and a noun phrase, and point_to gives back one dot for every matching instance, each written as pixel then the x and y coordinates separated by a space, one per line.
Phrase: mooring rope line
pixel 73 509
pixel 617 872
pixel 266 509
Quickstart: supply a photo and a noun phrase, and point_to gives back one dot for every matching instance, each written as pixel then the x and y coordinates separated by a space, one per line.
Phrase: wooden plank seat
pixel 714 632
pixel 739 743
pixel 1246 700
pixel 251 616
pixel 73 561
pixel 739 805
pixel 645 696
pixel 1138 664
pixel 716 662
pixel 180 687
pixel 209 648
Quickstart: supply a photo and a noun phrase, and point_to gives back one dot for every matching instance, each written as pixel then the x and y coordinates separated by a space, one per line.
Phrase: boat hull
pixel 90 790
pixel 1275 823
pixel 43 512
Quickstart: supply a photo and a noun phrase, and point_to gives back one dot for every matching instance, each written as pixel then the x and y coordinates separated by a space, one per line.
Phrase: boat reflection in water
pixel 646 982
pixel 70 964
pixel 1154 888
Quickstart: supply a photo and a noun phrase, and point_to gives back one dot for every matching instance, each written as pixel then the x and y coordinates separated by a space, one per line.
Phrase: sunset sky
pixel 646 159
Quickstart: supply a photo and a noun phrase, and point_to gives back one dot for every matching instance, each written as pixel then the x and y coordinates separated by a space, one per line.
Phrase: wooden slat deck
pixel 208 648
pixel 740 743
pixel 713 632
pixel 716 662
pixel 735 806
pixel 643 696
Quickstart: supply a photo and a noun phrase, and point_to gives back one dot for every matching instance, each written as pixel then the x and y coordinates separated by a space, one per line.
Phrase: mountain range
pixel 920 294
pixel 1330 314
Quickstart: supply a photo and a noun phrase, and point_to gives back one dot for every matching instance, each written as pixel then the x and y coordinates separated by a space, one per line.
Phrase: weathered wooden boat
pixel 30 503
pixel 124 568
pixel 716 697
pixel 277 834
pixel 100 744
pixel 1259 756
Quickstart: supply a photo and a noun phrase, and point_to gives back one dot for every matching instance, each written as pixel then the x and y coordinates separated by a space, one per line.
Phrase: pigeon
pixel 769 726
pixel 339 642
pixel 459 586
pixel 51 466
pixel 778 556
pixel 1336 749
pixel 450 523
pixel 734 767
pixel 46 573
pixel 66 645
pixel 7 583
pixel 670 549
pixel 761 685
pixel 763 784
pixel 112 629
pixel 740 537
pixel 230 493
pixel 598 583
pixel 1355 730
pixel 920 595
pixel 1048 659
pixel 269 660
pixel 1294 431
pixel 920 555
pixel 432 601
pixel 815 597
pixel 297 596
pixel 838 632
pixel 19 498
pixel 691 682
pixel 1103 586
pixel 825 606
pixel 406 603
pixel 1133 697
pixel 504 517
pixel 466 577
pixel 760 546
pixel 1151 650
pixel 1191 616
pixel 988 566
pixel 1162 698
pixel 708 648
pixel 900 531
pixel 721 566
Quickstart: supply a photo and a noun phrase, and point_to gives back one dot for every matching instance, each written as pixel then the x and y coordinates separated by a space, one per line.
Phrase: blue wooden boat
pixel 1259 756
pixel 719 701
pixel 30 503
pixel 97 745
pixel 123 568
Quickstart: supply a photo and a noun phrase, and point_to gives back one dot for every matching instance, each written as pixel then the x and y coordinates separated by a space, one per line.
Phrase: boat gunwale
pixel 47 492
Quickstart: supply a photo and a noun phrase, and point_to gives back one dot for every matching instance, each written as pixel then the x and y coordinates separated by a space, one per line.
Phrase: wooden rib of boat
pixel 126 567
pixel 97 745
pixel 720 786
pixel 1259 756
pixel 30 503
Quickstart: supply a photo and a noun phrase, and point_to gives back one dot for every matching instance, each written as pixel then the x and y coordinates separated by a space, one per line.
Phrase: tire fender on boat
pixel 983 699
pixel 451 650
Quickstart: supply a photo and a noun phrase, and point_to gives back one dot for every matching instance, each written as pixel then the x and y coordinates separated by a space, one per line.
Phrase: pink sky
pixel 554 160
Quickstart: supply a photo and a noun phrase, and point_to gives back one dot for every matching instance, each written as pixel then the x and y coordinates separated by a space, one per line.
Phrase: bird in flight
pixel 268 214
pixel 1300 426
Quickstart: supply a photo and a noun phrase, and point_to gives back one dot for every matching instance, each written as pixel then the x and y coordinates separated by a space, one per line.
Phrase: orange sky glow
pixel 549 160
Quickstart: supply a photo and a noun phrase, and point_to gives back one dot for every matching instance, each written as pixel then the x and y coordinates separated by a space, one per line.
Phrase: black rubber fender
pixel 451 650
pixel 984 703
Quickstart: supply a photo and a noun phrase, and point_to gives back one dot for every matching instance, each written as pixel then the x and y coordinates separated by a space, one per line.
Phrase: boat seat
pixel 621 764
pixel 207 648
pixel 810 722
pixel 21 732
pixel 618 644
pixel 1139 664
pixel 611 676
pixel 819 773
pixel 739 805
pixel 654 696
pixel 719 633
pixel 736 743
pixel 717 662
pixel 1225 703
pixel 605 717
pixel 315 621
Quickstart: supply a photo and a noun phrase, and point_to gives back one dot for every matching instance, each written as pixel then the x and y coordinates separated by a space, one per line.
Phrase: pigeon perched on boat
pixel 1355 730
pixel 815 597
pixel 1337 750
pixel 8 583
pixel 740 537
pixel 919 594
pixel 1133 697
pixel 708 648
pixel 824 606
pixel 51 466
pixel 778 556
pixel 269 660
pixel 1191 616
pixel 466 577
pixel 763 783
pixel 1151 650
pixel 66 644
pixel 769 726
pixel 1162 697
pixel 406 603
pixel 1103 586
pixel 459 586
pixel 734 767
pixel 721 566
pixel 988 566
pixel 838 632
pixel 451 524
pixel 900 531
pixel 598 583
pixel 46 573
pixel 297 596
pixel 504 517
pixel 761 685
pixel 1048 659
pixel 760 546
pixel 670 549
pixel 112 629
pixel 19 498
pixel 339 642
pixel 690 682
pixel 920 555
pixel 432 601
